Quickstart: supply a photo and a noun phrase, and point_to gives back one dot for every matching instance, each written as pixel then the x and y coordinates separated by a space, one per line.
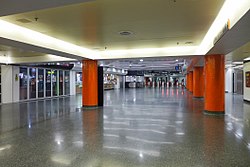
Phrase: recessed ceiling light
pixel 141 60
pixel 176 60
pixel 125 33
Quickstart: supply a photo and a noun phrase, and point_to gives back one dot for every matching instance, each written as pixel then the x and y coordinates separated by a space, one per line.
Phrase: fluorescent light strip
pixel 246 59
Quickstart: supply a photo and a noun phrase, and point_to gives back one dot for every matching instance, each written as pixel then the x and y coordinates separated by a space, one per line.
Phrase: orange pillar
pixel 198 82
pixel 191 81
pixel 89 83
pixel 214 84
pixel 187 81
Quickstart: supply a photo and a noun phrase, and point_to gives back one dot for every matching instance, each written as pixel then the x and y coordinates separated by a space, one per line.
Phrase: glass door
pixel 60 83
pixel 54 83
pixel 40 83
pixel 32 83
pixel 66 83
pixel 23 83
pixel 48 83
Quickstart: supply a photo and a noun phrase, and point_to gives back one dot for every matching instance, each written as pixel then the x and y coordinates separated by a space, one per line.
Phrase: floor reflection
pixel 26 114
pixel 136 127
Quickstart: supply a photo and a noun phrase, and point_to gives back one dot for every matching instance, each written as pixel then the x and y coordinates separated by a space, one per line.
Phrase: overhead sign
pixel 178 68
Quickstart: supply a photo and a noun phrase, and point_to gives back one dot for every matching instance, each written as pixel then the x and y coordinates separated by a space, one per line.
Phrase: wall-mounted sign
pixel 223 31
pixel 248 79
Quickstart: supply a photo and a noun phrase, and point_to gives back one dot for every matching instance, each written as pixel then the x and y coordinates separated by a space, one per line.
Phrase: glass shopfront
pixel 78 82
pixel 54 82
pixel 23 83
pixel 66 83
pixel 40 83
pixel 48 83
pixel 32 83
pixel 60 83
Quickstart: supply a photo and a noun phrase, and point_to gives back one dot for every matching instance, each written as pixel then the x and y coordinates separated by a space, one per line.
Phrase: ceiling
pixel 239 54
pixel 96 24
pixel 147 64
pixel 16 52
pixel 14 55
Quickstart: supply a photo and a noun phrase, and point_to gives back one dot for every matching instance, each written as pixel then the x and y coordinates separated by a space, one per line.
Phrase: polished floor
pixel 136 127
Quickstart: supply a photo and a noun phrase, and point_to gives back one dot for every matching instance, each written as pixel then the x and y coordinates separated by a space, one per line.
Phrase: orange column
pixel 191 81
pixel 187 81
pixel 198 82
pixel 214 84
pixel 89 83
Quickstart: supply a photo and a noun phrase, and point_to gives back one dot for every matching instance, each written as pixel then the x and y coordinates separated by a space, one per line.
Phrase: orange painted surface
pixel 214 83
pixel 191 81
pixel 187 81
pixel 194 61
pixel 198 82
pixel 89 83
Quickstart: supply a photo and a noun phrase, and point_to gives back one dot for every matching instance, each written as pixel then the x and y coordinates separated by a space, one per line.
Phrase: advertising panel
pixel 248 79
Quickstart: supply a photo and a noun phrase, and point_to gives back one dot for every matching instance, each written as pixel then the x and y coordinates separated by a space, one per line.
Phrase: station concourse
pixel 125 83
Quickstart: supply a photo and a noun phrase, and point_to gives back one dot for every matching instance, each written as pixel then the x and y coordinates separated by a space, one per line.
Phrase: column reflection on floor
pixel 136 127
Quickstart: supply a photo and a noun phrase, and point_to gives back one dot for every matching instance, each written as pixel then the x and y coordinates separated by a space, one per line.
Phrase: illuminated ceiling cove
pixel 108 29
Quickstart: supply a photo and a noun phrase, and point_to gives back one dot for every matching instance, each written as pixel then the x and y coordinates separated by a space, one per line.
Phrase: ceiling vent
pixel 24 20
pixel 125 33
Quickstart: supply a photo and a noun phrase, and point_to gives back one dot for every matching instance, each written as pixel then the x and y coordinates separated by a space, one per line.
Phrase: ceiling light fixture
pixel 246 59
pixel 176 60
pixel 238 62
pixel 141 60
pixel 125 33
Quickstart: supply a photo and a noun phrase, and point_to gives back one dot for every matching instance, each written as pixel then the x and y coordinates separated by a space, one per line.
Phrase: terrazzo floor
pixel 136 127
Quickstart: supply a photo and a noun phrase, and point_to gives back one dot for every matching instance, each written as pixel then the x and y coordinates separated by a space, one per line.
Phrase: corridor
pixel 159 127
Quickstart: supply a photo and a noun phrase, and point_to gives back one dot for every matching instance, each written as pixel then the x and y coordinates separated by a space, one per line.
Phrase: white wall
pixel 6 77
pixel 229 80
pixel 72 75
pixel 15 83
pixel 10 83
pixel 246 95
